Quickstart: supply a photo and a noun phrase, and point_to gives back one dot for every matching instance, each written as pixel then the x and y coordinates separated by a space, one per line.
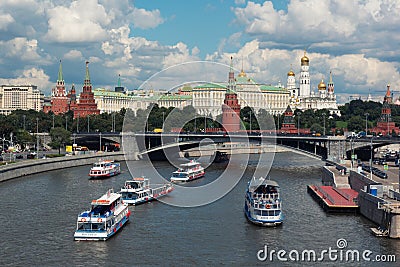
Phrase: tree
pixel 59 136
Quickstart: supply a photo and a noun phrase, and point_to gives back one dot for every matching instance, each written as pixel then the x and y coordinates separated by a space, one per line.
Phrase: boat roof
pixel 262 181
pixel 107 198
pixel 189 164
pixel 139 179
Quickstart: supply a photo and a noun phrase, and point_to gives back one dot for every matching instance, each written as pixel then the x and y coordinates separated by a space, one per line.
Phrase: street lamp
pixel 323 114
pixel 66 123
pixel 74 145
pixel 53 120
pixel 250 120
pixel 88 123
pixel 100 142
pixel 24 116
pixel 37 137
pixel 366 123
pixel 370 160
pixel 163 114
pixel 77 125
pixel 298 123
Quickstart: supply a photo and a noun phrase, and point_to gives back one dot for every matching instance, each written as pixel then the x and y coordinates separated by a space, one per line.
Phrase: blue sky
pixel 356 40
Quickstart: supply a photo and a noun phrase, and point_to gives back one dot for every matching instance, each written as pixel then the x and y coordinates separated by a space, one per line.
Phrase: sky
pixel 150 42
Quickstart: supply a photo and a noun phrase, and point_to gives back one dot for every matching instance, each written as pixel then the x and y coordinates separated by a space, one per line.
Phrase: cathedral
pixel 303 98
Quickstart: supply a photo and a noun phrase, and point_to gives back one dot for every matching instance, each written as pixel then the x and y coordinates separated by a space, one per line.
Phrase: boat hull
pixel 149 198
pixel 102 235
pixel 186 179
pixel 263 222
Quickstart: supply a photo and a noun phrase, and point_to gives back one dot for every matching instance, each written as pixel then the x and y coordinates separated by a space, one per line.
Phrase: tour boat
pixel 263 203
pixel 107 215
pixel 187 172
pixel 104 169
pixel 139 190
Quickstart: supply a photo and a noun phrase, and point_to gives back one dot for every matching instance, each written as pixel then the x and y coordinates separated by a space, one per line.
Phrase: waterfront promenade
pixel 33 166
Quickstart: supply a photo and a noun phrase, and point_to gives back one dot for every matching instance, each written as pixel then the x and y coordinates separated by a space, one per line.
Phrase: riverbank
pixel 33 166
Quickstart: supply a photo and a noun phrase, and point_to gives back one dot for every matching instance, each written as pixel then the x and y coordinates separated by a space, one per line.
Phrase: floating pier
pixel 334 199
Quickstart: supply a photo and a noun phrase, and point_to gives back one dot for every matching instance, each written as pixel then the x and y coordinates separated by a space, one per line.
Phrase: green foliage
pixel 59 136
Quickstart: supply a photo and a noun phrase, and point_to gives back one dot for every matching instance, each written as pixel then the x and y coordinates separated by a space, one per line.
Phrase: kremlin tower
pixel 288 124
pixel 231 106
pixel 87 105
pixel 385 124
pixel 59 99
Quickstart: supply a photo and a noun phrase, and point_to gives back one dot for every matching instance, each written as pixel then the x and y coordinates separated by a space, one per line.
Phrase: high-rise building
pixel 25 97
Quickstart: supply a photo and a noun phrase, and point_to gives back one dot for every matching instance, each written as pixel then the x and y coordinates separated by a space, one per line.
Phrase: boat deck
pixel 334 199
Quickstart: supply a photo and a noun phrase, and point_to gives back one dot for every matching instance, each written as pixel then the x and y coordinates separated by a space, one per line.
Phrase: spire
pixel 60 74
pixel 330 76
pixel 87 76
pixel 231 79
pixel 119 80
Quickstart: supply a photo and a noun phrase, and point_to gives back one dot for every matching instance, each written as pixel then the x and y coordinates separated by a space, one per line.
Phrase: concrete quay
pixel 33 166
pixel 378 199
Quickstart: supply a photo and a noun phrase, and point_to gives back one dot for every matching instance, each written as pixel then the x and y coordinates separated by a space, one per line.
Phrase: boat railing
pixel 266 196
pixel 263 205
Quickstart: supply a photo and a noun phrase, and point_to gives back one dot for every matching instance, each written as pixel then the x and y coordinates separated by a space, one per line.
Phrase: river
pixel 39 213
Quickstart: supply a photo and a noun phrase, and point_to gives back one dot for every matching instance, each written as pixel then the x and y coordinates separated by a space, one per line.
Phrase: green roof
pixel 272 88
pixel 244 80
pixel 187 89
pixel 210 85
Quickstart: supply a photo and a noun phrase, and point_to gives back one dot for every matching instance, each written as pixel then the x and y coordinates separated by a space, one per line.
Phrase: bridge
pixel 156 145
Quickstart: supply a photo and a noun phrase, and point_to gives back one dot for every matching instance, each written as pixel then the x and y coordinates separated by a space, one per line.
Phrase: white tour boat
pixel 107 215
pixel 139 190
pixel 263 203
pixel 104 169
pixel 187 172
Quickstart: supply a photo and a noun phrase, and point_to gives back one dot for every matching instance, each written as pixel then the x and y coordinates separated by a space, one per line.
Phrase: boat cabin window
pixel 132 185
pixel 269 189
pixel 179 175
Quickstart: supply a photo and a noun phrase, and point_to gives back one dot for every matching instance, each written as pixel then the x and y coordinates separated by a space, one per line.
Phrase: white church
pixel 303 98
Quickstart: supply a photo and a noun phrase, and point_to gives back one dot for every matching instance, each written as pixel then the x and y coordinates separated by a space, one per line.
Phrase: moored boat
pixel 105 169
pixel 107 216
pixel 139 190
pixel 263 203
pixel 187 172
pixel 220 157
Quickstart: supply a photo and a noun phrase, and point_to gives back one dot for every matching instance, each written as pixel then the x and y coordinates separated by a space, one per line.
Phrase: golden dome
pixel 304 59
pixel 322 85
pixel 242 74
pixel 290 73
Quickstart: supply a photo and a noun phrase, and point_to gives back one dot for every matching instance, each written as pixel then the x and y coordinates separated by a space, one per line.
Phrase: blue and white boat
pixel 105 169
pixel 107 216
pixel 139 190
pixel 188 172
pixel 263 203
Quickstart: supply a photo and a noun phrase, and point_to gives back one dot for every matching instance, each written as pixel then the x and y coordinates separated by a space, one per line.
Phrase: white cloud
pixel 20 48
pixel 145 19
pixel 82 21
pixel 5 20
pixel 73 55
pixel 32 76
pixel 351 23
